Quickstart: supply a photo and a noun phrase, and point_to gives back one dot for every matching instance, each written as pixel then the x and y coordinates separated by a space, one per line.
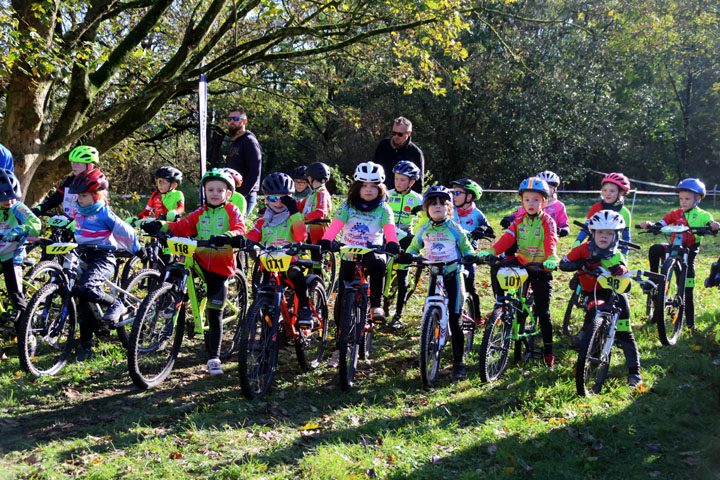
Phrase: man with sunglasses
pixel 245 156
pixel 400 147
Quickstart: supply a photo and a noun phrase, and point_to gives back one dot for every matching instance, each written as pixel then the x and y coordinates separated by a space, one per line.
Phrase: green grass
pixel 90 422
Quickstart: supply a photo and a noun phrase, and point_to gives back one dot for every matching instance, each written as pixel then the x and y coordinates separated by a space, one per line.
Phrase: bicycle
pixel 435 318
pixel 159 326
pixel 391 285
pixel 594 356
pixel 508 319
pixel 272 317
pixel 47 328
pixel 669 301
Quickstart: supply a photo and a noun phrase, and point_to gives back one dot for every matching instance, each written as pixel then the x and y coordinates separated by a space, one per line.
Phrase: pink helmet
pixel 618 179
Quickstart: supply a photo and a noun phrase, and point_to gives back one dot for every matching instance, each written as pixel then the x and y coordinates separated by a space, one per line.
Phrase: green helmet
pixel 469 185
pixel 219 174
pixel 84 154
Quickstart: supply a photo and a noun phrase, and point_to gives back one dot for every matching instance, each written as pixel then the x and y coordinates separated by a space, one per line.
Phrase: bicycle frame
pixel 437 296
pixel 516 298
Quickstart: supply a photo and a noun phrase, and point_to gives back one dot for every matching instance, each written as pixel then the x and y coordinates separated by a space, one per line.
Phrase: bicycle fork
pixel 437 301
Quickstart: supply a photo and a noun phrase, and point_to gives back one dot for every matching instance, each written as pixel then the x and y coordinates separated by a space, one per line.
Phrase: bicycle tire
pixel 238 296
pixel 40 274
pixel 670 302
pixel 591 370
pixel 525 346
pixel 574 313
pixel 495 346
pixel 310 343
pixel 44 345
pixel 467 323
pixel 329 269
pixel 366 341
pixel 430 346
pixel 258 347
pixel 139 284
pixel 129 267
pixel 349 339
pixel 160 318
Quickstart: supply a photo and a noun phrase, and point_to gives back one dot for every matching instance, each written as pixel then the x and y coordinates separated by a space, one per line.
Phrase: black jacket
pixel 387 156
pixel 245 156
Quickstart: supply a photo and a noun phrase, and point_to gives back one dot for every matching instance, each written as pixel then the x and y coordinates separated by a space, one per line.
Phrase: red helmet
pixel 89 181
pixel 236 176
pixel 618 179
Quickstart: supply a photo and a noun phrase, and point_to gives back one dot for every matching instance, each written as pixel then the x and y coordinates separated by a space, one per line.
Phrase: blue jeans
pixel 251 202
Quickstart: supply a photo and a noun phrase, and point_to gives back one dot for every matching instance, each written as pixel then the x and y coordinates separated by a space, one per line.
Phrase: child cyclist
pixel 601 251
pixel 82 158
pixel 302 189
pixel 16 221
pixel 218 221
pixel 555 208
pixel 237 198
pixel 364 218
pixel 442 239
pixel 317 206
pixel 404 203
pixel 465 193
pixel 613 188
pixel 532 237
pixel 690 193
pixel 166 202
pixel 96 224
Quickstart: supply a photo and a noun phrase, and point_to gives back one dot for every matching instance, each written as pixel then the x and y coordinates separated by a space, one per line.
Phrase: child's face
pixel 78 167
pixel 8 203
pixel 216 192
pixel 369 191
pixel 314 182
pixel 300 185
pixel 403 182
pixel 604 238
pixel 85 199
pixel 273 202
pixel 438 210
pixel 553 190
pixel 460 197
pixel 533 202
pixel 687 200
pixel 610 192
pixel 164 185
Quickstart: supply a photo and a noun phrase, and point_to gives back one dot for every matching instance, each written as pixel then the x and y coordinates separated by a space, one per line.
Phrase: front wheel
pixel 258 347
pixel 310 343
pixel 495 346
pixel 574 313
pixel 430 335
pixel 47 331
pixel 670 302
pixel 467 323
pixel 592 364
pixel 350 338
pixel 138 285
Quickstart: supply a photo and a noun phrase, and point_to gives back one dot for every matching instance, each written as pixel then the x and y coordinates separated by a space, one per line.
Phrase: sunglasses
pixel 272 198
pixel 458 192
pixel 234 119
pixel 398 134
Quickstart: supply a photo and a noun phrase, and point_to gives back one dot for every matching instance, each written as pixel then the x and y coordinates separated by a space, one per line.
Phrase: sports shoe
pixel 378 315
pixel 634 379
pixel 214 366
pixel 549 360
pixel 396 322
pixel 83 354
pixel 576 341
pixel 114 312
pixel 335 359
pixel 459 371
pixel 305 317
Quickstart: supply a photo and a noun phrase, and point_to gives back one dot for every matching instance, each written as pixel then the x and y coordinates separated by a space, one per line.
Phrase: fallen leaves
pixel 176 456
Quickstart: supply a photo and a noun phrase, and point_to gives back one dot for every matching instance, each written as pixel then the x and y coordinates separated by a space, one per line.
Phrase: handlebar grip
pixel 634 246
pixel 638 227
pixel 579 224
pixel 654 276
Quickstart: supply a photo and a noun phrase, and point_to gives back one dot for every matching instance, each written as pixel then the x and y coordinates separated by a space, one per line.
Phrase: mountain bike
pixel 47 328
pixel 159 325
pixel 272 318
pixel 594 356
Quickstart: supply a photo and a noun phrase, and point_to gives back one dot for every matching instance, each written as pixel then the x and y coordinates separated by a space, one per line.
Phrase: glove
pixel 469 259
pixel 237 241
pixel 506 221
pixel 483 253
pixel 290 203
pixel 392 248
pixel 151 228
pixel 617 270
pixel 550 264
pixel 479 232
pixel 416 209
pixel 325 245
pixel 36 211
pixel 576 244
pixel 142 254
pixel 563 232
pixel 171 216
pixel 592 263
pixel 219 240
pixel 405 258
pixel 131 220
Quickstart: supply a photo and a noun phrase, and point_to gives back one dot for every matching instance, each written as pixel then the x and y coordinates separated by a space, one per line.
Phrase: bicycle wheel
pixel 131 266
pixel 47 331
pixel 591 368
pixel 156 336
pixel 310 343
pixel 258 347
pixel 430 346
pixel 39 275
pixel 670 302
pixel 329 269
pixel 467 322
pixel 525 346
pixel 350 338
pixel 391 287
pixel 233 316
pixel 574 313
pixel 139 285
pixel 495 346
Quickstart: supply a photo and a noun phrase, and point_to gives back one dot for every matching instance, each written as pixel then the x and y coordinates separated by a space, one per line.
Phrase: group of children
pixel 443 223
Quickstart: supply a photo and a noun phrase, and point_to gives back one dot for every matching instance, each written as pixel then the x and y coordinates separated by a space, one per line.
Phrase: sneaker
pixel 335 359
pixel 214 366
pixel 549 360
pixel 634 379
pixel 576 341
pixel 31 345
pixel 83 354
pixel 305 318
pixel 378 315
pixel 459 371
pixel 647 288
pixel 396 322
pixel 114 312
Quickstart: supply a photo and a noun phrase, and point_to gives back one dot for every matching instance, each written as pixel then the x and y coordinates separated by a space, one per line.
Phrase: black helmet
pixel 171 174
pixel 298 173
pixel 319 171
pixel 278 184
pixel 407 168
pixel 9 185
pixel 437 191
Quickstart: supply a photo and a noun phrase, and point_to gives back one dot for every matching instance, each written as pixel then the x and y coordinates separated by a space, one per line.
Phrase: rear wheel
pixel 495 346
pixel 670 302
pixel 525 346
pixel 467 322
pixel 310 343
pixel 258 347
pixel 591 368
pixel 350 338
pixel 139 285
pixel 233 315
pixel 574 313
pixel 430 346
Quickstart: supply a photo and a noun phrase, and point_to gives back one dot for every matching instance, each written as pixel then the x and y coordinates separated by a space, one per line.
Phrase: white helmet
pixel 551 178
pixel 607 220
pixel 369 172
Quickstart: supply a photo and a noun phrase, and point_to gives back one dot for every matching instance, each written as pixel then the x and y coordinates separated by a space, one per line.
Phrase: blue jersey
pixel 6 158
pixel 104 228
pixel 469 219
pixel 441 242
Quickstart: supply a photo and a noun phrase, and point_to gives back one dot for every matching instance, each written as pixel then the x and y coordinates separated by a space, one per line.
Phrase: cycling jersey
pixel 205 222
pixel 290 231
pixel 15 220
pixel 696 217
pixel 162 203
pixel 103 227
pixel 535 236
pixel 363 228
pixel 556 210
pixel 301 198
pixel 582 252
pixel 239 201
pixel 470 218
pixel 443 242
pixel 61 196
pixel 317 205
pixel 616 207
pixel 402 205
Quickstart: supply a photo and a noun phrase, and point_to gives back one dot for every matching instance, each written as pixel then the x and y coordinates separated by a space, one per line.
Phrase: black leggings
pixel 374 266
pixel 402 282
pixel 14 286
pixel 216 288
pixel 541 283
pixel 296 275
pixel 452 287
pixel 657 253
pixel 88 289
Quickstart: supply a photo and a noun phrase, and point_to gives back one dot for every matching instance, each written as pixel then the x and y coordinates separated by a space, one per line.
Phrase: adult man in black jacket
pixel 245 156
pixel 400 147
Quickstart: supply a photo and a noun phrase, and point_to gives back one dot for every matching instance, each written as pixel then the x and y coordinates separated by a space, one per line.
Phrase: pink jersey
pixel 556 211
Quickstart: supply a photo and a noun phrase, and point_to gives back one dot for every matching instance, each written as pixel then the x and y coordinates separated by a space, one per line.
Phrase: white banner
pixel 202 102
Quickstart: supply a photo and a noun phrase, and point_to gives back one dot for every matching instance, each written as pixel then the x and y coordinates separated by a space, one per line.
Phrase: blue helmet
pixel 407 168
pixel 534 184
pixel 692 185
pixel 437 191
pixel 9 185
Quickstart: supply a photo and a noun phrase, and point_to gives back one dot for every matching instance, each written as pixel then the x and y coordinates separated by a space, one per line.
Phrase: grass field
pixel 90 422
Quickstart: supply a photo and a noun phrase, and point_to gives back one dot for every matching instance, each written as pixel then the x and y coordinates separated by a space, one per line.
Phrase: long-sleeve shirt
pixel 316 206
pixel 696 217
pixel 582 252
pixel 290 231
pixel 442 242
pixel 245 156
pixel 16 219
pixel 535 236
pixel 104 228
pixel 162 203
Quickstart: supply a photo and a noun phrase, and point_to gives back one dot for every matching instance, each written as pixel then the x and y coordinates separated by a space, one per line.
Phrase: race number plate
pixel 181 246
pixel 617 284
pixel 275 261
pixel 59 221
pixel 674 229
pixel 354 250
pixel 511 278
pixel 59 248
